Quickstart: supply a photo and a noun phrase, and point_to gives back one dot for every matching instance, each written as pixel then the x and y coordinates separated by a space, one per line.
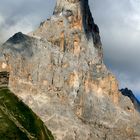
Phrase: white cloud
pixel 23 25
pixel 22 15
pixel 1 20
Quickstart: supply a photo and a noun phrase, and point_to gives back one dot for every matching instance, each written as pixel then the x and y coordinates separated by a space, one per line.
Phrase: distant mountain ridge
pixel 129 93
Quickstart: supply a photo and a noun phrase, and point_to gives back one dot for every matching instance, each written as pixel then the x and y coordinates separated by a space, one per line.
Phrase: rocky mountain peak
pixel 58 71
pixel 77 11
pixel 71 25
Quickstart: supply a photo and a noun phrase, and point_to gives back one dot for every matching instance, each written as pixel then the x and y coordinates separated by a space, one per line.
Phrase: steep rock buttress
pixel 58 71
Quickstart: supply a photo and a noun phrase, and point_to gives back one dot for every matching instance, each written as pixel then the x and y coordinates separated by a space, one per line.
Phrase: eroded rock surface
pixel 17 121
pixel 58 71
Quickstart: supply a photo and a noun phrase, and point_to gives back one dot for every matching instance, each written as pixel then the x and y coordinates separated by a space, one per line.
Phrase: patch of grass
pixel 18 122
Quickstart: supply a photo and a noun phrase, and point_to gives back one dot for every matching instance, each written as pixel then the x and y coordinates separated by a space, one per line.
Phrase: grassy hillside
pixel 17 121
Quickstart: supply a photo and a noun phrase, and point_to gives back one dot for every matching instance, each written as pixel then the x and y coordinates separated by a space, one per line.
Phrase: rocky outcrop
pixel 58 71
pixel 128 93
pixel 17 121
pixel 4 78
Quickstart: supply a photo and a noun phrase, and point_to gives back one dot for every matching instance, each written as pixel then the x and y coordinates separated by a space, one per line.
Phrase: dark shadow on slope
pixel 20 43
pixel 17 38
pixel 129 93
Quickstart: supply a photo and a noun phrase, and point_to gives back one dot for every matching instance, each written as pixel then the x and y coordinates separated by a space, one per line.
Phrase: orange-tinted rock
pixel 58 71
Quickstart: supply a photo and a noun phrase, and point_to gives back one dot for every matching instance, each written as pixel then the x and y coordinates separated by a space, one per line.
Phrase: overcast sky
pixel 118 20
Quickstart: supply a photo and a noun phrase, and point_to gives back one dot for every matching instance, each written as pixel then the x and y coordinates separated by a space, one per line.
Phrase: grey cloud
pixel 23 15
pixel 119 23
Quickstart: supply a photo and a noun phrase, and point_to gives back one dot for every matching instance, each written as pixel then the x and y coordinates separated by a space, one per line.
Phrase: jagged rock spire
pixel 80 10
pixel 72 28
pixel 70 17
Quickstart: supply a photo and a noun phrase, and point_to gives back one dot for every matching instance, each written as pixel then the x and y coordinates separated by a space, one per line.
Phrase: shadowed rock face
pixel 58 71
pixel 129 93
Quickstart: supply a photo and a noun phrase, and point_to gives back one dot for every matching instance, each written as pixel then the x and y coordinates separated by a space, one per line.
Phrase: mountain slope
pixel 58 71
pixel 130 94
pixel 17 121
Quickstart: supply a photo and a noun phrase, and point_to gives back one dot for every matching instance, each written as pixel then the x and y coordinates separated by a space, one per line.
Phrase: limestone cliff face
pixel 58 71
pixel 17 121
